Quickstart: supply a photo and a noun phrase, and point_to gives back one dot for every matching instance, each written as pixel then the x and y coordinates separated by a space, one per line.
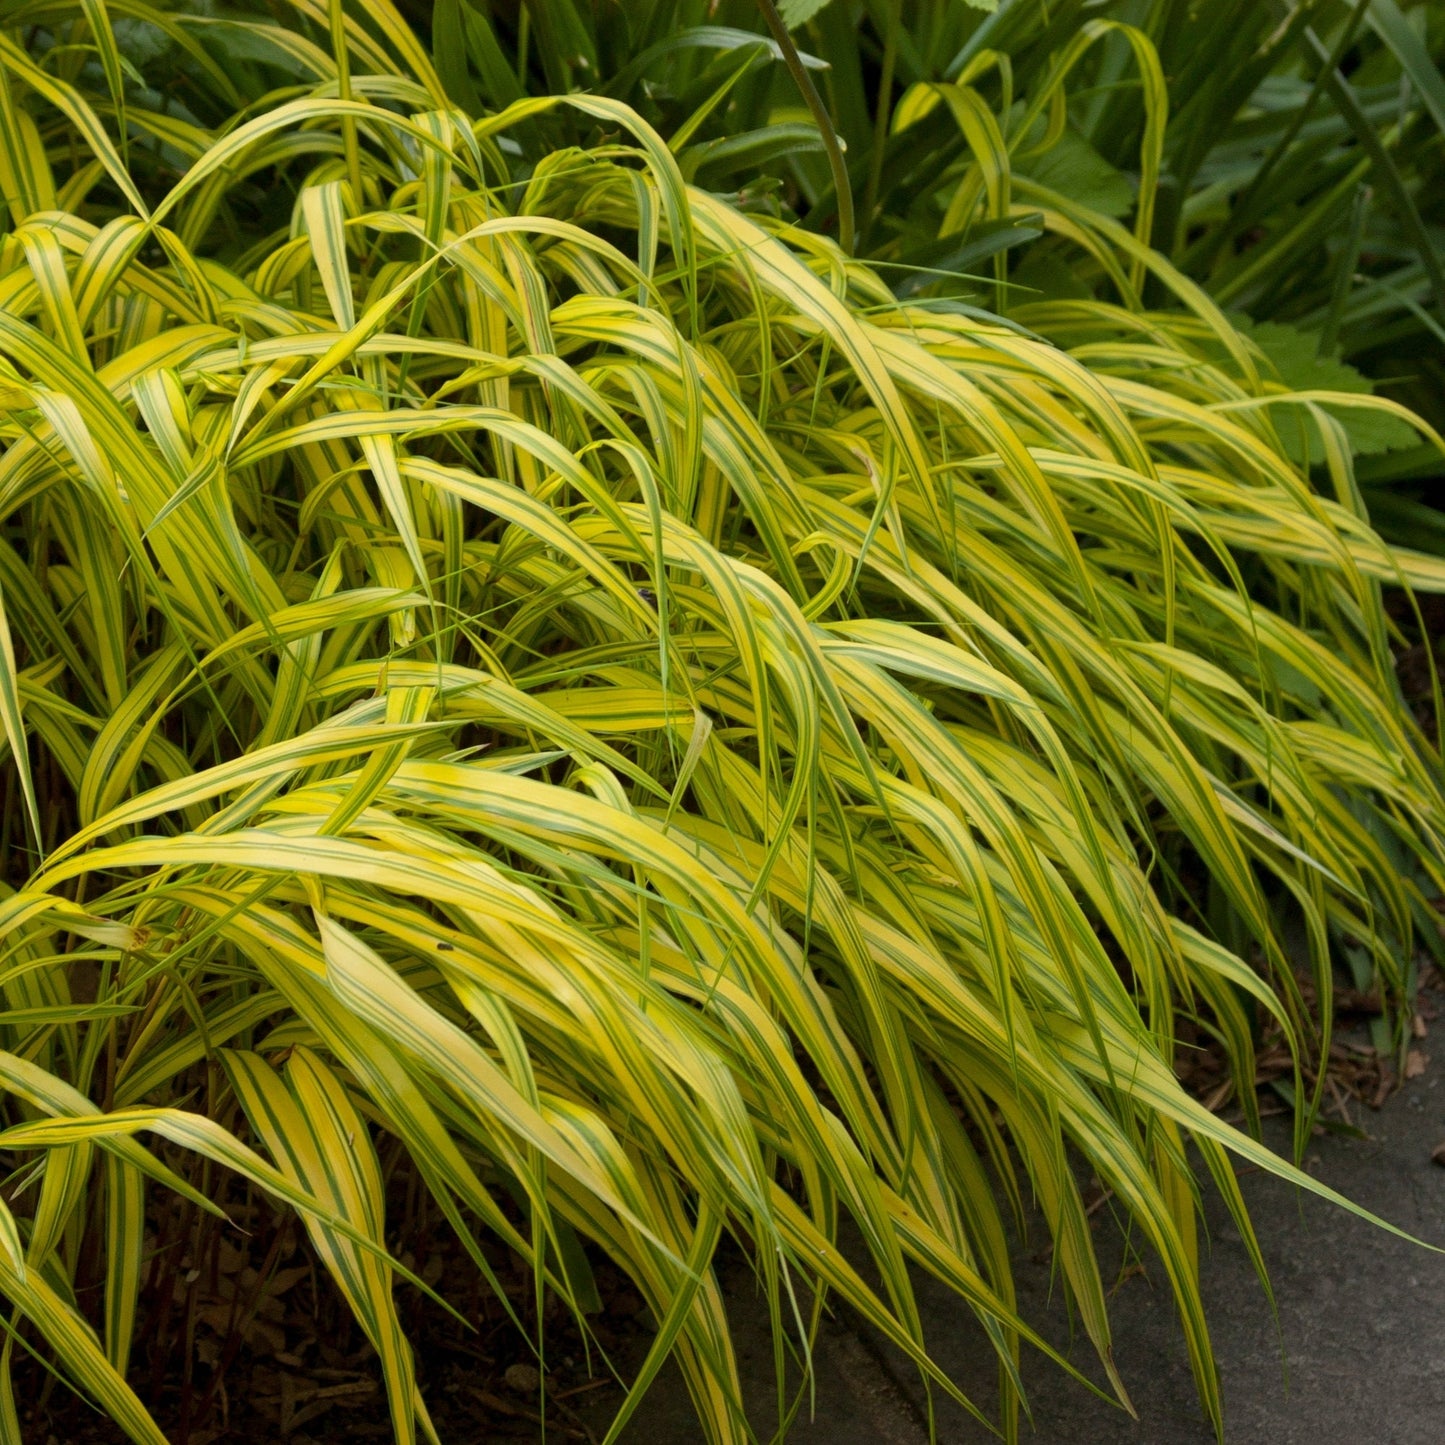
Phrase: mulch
pixel 242 1338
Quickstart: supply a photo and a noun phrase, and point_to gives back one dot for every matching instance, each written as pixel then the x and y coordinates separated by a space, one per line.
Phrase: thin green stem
pixel 884 112
pixel 1258 182
pixel 1345 273
pixel 842 189
pixel 1390 181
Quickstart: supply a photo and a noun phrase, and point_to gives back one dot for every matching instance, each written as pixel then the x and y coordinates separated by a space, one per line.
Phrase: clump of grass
pixel 589 685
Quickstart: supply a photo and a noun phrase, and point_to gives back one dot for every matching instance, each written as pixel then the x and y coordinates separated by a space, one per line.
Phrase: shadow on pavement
pixel 1358 1354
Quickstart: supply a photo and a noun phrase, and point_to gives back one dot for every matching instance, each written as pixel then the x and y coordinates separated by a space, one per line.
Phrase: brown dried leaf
pixel 285 1279
pixel 506 1407
pixel 229 1258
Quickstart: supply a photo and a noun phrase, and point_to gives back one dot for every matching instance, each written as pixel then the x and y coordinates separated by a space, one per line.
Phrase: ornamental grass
pixel 526 678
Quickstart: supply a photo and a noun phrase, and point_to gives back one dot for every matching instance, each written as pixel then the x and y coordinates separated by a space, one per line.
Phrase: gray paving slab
pixel 1355 1354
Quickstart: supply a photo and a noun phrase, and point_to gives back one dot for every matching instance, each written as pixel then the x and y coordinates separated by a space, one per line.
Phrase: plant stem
pixel 1345 273
pixel 884 112
pixel 1257 184
pixel 841 187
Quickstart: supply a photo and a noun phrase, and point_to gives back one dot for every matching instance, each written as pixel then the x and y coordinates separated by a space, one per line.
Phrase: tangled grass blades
pixel 588 685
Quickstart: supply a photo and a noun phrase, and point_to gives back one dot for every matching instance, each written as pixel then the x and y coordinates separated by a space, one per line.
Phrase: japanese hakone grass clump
pixel 589 687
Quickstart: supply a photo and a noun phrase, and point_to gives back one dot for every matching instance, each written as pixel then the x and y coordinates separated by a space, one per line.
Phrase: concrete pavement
pixel 1357 1355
